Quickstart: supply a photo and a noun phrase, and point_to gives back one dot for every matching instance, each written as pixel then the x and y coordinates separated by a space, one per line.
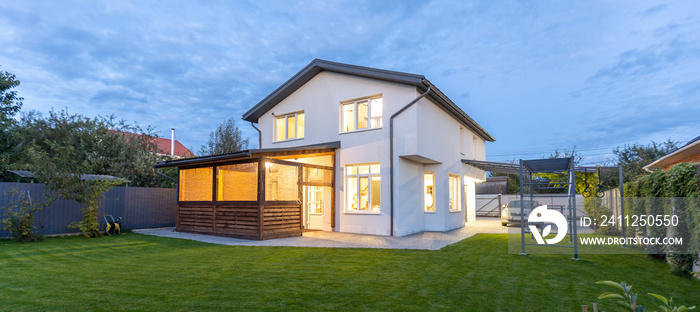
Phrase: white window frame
pixel 359 175
pixel 425 186
pixel 456 190
pixel 318 194
pixel 286 130
pixel 354 102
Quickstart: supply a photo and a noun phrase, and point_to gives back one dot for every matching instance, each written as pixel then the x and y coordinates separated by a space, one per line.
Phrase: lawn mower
pixel 112 227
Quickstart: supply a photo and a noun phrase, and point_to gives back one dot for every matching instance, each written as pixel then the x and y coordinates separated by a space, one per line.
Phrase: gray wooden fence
pixel 140 207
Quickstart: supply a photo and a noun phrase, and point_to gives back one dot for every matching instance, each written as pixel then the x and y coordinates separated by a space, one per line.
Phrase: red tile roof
pixel 164 145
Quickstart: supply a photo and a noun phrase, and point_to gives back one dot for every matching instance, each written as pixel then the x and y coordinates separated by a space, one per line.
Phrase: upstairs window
pixel 288 127
pixel 365 113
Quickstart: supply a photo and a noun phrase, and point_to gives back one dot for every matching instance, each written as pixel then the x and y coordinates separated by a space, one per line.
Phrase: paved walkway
pixel 425 240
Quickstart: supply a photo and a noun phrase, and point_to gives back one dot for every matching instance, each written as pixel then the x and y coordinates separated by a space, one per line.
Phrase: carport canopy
pixel 536 165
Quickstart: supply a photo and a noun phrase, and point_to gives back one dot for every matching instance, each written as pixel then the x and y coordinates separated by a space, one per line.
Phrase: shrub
pixel 19 216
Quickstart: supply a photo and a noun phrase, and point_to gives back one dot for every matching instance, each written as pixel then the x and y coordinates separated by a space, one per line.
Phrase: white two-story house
pixel 341 148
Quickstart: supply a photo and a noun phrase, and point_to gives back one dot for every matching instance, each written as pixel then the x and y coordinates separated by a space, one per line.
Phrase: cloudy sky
pixel 537 75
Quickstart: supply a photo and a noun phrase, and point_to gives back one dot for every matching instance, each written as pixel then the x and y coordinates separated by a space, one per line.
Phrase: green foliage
pixel 90 194
pixel 227 138
pixel 10 104
pixel 655 206
pixel 19 216
pixel 672 192
pixel 624 297
pixel 96 145
pixel 682 187
pixel 61 176
pixel 634 157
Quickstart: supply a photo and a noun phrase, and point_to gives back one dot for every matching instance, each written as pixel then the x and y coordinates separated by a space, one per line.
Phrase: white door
pixel 314 208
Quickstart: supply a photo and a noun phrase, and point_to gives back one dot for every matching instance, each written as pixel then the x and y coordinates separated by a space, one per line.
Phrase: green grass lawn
pixel 139 272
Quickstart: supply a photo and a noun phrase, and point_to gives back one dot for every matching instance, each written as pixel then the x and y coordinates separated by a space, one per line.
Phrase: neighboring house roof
pixel 690 152
pixel 317 66
pixel 163 145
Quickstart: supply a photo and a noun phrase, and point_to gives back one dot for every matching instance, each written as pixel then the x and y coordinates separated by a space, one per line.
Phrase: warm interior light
pixel 428 200
pixel 268 165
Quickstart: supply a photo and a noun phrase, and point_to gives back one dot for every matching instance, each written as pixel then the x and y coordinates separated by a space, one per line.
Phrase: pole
pixel 572 198
pixel 522 212
pixel 172 142
pixel 622 205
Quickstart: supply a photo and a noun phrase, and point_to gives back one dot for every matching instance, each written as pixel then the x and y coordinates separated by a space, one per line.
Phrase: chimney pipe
pixel 172 142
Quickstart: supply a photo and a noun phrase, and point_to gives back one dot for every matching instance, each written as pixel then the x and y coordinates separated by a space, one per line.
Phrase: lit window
pixel 290 126
pixel 363 188
pixel 281 182
pixel 196 184
pixel 455 203
pixel 361 114
pixel 429 185
pixel 238 182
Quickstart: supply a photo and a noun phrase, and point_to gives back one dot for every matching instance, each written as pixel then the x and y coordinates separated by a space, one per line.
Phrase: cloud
pixel 653 10
pixel 190 66
pixel 649 60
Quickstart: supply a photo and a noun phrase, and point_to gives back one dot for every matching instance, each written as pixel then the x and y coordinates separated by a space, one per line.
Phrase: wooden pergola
pixel 252 194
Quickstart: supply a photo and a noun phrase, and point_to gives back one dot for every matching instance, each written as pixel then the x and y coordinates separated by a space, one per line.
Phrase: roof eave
pixel 316 66
pixel 674 156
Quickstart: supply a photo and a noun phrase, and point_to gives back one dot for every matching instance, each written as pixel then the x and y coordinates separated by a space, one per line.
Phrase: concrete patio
pixel 426 240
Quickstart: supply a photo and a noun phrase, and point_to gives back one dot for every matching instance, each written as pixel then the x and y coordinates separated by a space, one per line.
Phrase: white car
pixel 511 213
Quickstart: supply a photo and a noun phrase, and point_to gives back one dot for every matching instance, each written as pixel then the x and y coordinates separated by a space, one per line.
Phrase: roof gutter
pixel 181 162
pixel 391 151
pixel 162 174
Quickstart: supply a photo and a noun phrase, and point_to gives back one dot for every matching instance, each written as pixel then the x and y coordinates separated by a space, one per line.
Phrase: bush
pixel 19 216
pixel 672 192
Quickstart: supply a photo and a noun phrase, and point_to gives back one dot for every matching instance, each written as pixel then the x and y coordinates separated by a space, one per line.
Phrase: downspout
pixel 391 152
pixel 259 135
pixel 162 174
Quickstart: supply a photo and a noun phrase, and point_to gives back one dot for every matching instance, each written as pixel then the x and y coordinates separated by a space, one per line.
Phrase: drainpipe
pixel 259 135
pixel 391 151
pixel 162 174
pixel 172 142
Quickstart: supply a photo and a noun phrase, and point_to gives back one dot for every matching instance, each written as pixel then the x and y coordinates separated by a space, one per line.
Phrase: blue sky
pixel 537 75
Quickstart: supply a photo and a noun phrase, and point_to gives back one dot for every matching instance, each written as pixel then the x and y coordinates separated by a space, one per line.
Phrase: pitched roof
pixel 684 152
pixel 163 145
pixel 316 66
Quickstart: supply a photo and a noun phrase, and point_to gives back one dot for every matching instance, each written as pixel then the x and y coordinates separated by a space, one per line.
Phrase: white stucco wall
pixel 423 130
pixel 427 131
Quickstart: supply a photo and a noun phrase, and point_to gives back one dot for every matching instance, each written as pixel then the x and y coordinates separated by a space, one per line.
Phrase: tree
pixel 226 139
pixel 634 157
pixel 100 145
pixel 10 104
